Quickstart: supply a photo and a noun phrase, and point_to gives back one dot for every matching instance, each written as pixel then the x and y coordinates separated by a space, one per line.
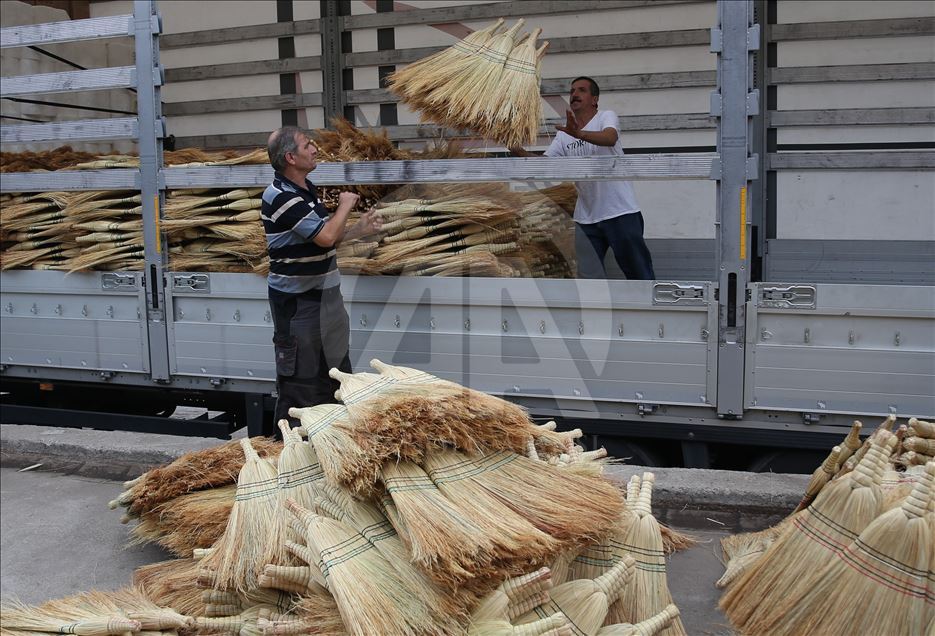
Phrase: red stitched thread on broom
pixel 879 578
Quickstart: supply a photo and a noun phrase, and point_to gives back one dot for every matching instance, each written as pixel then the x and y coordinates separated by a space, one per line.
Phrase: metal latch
pixel 790 296
pixel 674 293
pixel 191 283
pixel 113 280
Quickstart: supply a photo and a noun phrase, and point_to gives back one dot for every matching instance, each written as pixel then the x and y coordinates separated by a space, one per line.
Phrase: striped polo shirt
pixel 292 216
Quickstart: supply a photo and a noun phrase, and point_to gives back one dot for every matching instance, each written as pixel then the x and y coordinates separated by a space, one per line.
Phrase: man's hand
pixel 347 201
pixel 571 126
pixel 370 222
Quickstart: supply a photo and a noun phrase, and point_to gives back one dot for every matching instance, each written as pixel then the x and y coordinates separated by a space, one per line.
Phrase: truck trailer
pixel 782 153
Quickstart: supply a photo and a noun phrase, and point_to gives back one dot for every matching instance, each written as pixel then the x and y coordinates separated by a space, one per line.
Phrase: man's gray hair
pixel 280 142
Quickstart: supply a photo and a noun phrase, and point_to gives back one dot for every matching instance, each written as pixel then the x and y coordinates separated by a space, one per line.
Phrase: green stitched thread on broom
pixel 442 542
pixel 237 555
pixel 448 610
pixel 370 596
pixel 297 472
pixel 648 591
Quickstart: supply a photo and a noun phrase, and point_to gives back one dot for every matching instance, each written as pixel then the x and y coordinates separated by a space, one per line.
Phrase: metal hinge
pixel 191 283
pixel 674 293
pixel 789 297
pixel 113 280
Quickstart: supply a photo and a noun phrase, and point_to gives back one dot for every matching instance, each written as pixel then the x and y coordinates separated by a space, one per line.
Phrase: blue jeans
pixel 624 235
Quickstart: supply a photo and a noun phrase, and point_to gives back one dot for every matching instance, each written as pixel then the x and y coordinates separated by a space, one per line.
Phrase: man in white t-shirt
pixel 607 214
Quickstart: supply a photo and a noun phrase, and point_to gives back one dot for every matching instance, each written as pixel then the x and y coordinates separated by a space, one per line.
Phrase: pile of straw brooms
pixel 488 82
pixel 481 229
pixel 414 507
pixel 857 556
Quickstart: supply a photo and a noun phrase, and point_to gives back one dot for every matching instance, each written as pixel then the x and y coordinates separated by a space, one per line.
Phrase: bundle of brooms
pixel 863 545
pixel 501 66
pixel 412 527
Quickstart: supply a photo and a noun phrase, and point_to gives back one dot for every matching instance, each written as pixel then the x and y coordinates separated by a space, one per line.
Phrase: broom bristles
pixel 887 568
pixel 792 563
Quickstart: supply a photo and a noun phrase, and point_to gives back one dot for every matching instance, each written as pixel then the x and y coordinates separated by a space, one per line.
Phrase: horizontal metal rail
pixel 840 30
pixel 116 128
pixel 71 180
pixel 577 44
pixel 896 160
pixel 635 167
pixel 90 80
pixel 516 9
pixel 852 117
pixel 241 69
pixel 242 104
pixel 852 73
pixel 67 31
pixel 239 34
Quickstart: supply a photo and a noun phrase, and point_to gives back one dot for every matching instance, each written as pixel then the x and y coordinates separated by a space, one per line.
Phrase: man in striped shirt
pixel 311 330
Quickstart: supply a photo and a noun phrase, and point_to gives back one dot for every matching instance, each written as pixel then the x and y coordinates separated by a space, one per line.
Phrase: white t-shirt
pixel 597 200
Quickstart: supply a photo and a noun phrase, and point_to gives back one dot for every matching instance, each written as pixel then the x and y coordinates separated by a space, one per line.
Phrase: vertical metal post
pixel 733 103
pixel 152 184
pixel 332 62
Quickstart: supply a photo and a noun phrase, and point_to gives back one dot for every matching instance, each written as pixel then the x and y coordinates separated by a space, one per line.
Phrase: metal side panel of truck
pixel 796 295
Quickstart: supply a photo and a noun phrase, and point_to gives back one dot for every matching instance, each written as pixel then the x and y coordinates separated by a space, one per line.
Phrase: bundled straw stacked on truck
pixel 487 82
pixel 855 558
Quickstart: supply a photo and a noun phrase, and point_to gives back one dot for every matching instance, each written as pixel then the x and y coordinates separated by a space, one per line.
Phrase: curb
pixel 682 497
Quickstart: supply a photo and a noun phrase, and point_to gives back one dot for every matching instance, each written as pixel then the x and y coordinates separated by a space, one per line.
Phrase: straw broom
pixel 172 584
pixel 402 420
pixel 196 470
pixel 239 602
pixel 555 625
pixel 517 539
pixel 648 592
pixel 885 570
pixel 501 603
pixel 299 579
pixel 313 615
pixel 372 524
pixel 237 555
pixel 792 563
pixel 297 473
pixel 741 551
pixel 584 602
pixel 921 428
pixel 339 455
pixel 127 601
pixel 543 435
pixel 456 102
pixel 599 557
pixel 821 476
pixel 849 465
pixel 649 627
pixel 17 616
pixel 190 521
pixel 370 596
pixel 517 103
pixel 567 507
pixel 442 542
pixel 412 81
